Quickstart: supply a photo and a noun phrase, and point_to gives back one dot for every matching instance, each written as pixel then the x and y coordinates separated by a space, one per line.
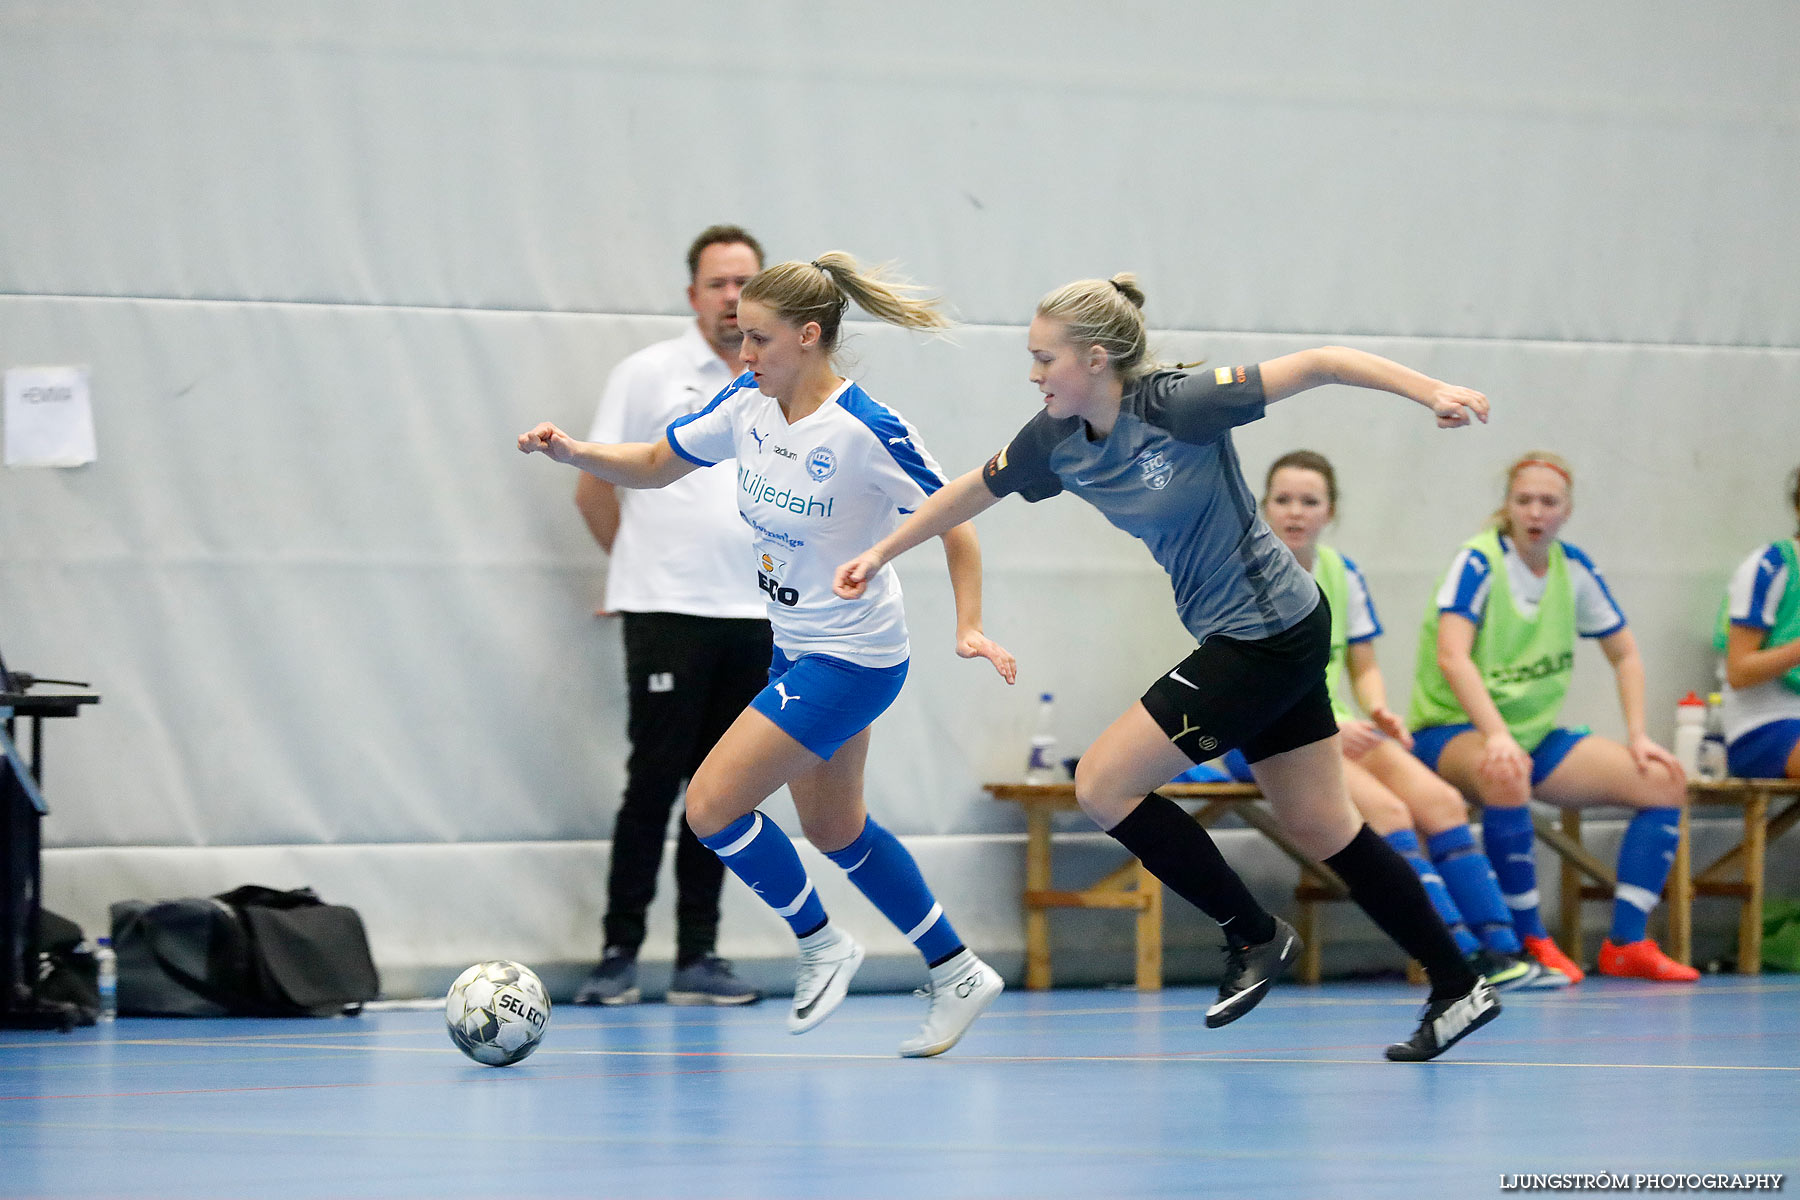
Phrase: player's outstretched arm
pixel 628 464
pixel 962 552
pixel 957 501
pixel 1453 406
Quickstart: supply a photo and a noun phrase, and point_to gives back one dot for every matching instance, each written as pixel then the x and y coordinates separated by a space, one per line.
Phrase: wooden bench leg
pixel 1037 878
pixel 1571 889
pixel 1149 931
pixel 1681 896
pixel 1756 811
pixel 1306 920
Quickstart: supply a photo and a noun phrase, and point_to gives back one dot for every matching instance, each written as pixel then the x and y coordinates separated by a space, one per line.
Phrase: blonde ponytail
pixel 822 289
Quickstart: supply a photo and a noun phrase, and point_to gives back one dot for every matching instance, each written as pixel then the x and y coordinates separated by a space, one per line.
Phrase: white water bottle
pixel 106 972
pixel 1712 743
pixel 1040 765
pixel 1690 728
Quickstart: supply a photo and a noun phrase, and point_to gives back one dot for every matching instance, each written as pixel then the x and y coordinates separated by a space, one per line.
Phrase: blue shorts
pixel 1763 753
pixel 1429 743
pixel 822 702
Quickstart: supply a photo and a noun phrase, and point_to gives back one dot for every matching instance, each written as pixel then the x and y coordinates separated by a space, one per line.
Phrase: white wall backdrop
pixel 326 260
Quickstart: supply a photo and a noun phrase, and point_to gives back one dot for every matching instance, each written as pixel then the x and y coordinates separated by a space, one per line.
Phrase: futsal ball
pixel 497 1012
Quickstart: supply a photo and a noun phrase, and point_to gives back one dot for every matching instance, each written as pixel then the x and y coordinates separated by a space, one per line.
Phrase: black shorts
pixel 1263 697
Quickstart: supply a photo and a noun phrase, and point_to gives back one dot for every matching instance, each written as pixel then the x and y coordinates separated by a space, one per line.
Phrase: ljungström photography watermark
pixel 1655 1181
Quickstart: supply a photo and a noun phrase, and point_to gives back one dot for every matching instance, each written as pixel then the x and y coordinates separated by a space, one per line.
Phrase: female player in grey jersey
pixel 1151 448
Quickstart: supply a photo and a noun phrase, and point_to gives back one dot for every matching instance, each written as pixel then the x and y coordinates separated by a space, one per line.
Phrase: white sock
pixel 953 968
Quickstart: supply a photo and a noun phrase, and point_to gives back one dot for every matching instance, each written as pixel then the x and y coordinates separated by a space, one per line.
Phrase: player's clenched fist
pixel 546 438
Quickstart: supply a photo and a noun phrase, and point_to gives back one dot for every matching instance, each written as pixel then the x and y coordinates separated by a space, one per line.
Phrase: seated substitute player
pixel 822 470
pixel 1396 794
pixel 1759 634
pixel 1151 448
pixel 1494 659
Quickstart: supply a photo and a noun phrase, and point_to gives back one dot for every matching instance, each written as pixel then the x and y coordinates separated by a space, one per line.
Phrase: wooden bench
pixel 1133 888
pixel 1586 878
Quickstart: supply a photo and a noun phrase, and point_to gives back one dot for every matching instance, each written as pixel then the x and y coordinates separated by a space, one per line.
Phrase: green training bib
pixel 1525 663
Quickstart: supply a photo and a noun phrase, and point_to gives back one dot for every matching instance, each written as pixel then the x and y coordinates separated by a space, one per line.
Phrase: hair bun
pixel 1125 283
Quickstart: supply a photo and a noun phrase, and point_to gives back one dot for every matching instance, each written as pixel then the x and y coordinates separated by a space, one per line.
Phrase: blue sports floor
pixel 1069 1093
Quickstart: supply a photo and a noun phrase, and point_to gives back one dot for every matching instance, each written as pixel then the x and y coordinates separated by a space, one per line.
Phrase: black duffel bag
pixel 250 952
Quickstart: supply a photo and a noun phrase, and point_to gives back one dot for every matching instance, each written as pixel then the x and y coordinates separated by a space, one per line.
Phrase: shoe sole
pixel 1573 973
pixel 1508 981
pixel 1548 981
pixel 1224 1012
pixel 696 999
pixel 831 996
pixel 987 997
pixel 1650 978
pixel 1471 1027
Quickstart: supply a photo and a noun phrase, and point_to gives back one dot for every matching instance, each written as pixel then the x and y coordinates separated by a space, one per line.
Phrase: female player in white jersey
pixel 822 471
pixel 1759 634
pixel 1151 448
pixel 1421 816
pixel 1495 653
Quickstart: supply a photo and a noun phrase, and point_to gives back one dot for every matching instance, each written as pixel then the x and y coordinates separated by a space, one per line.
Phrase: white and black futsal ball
pixel 497 1012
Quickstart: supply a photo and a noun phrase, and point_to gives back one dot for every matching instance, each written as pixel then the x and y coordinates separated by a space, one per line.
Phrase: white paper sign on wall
pixel 49 420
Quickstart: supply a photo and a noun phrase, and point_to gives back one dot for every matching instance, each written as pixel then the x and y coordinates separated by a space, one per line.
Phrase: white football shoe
pixel 828 959
pixel 959 991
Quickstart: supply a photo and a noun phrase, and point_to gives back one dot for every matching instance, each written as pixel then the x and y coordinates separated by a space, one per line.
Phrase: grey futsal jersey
pixel 1169 476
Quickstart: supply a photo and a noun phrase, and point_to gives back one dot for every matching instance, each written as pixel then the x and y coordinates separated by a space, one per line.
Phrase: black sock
pixel 1389 891
pixel 1180 853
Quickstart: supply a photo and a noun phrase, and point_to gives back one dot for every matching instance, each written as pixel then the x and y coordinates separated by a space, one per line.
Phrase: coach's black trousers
pixel 688 678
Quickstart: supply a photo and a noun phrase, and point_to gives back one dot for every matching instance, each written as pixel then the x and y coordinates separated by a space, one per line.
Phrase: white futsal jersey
pixel 816 494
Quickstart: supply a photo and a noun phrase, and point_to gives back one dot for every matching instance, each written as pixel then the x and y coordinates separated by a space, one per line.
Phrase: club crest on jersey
pixel 821 464
pixel 1157 470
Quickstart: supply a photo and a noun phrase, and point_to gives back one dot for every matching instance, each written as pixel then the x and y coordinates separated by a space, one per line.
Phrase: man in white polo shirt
pixel 696 638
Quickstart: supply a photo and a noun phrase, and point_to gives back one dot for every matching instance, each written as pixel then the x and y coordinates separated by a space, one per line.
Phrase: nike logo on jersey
pixel 781 690
pixel 1176 676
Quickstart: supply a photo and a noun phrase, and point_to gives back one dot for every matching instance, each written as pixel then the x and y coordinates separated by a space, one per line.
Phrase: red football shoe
pixel 1551 956
pixel 1643 960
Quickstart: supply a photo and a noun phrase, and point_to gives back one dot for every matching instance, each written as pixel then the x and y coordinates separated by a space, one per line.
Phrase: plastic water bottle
pixel 1690 729
pixel 1040 766
pixel 1712 743
pixel 106 965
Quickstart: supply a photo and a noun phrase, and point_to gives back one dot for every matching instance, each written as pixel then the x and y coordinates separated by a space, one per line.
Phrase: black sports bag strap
pixel 202 987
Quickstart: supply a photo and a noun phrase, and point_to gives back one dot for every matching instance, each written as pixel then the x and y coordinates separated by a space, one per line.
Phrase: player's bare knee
pixel 1384 812
pixel 704 810
pixel 1440 807
pixel 1665 790
pixel 1100 802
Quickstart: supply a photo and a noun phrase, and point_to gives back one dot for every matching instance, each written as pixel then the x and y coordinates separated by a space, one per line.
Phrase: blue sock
pixel 1644 858
pixel 762 856
pixel 1406 844
pixel 1470 878
pixel 1507 835
pixel 882 870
